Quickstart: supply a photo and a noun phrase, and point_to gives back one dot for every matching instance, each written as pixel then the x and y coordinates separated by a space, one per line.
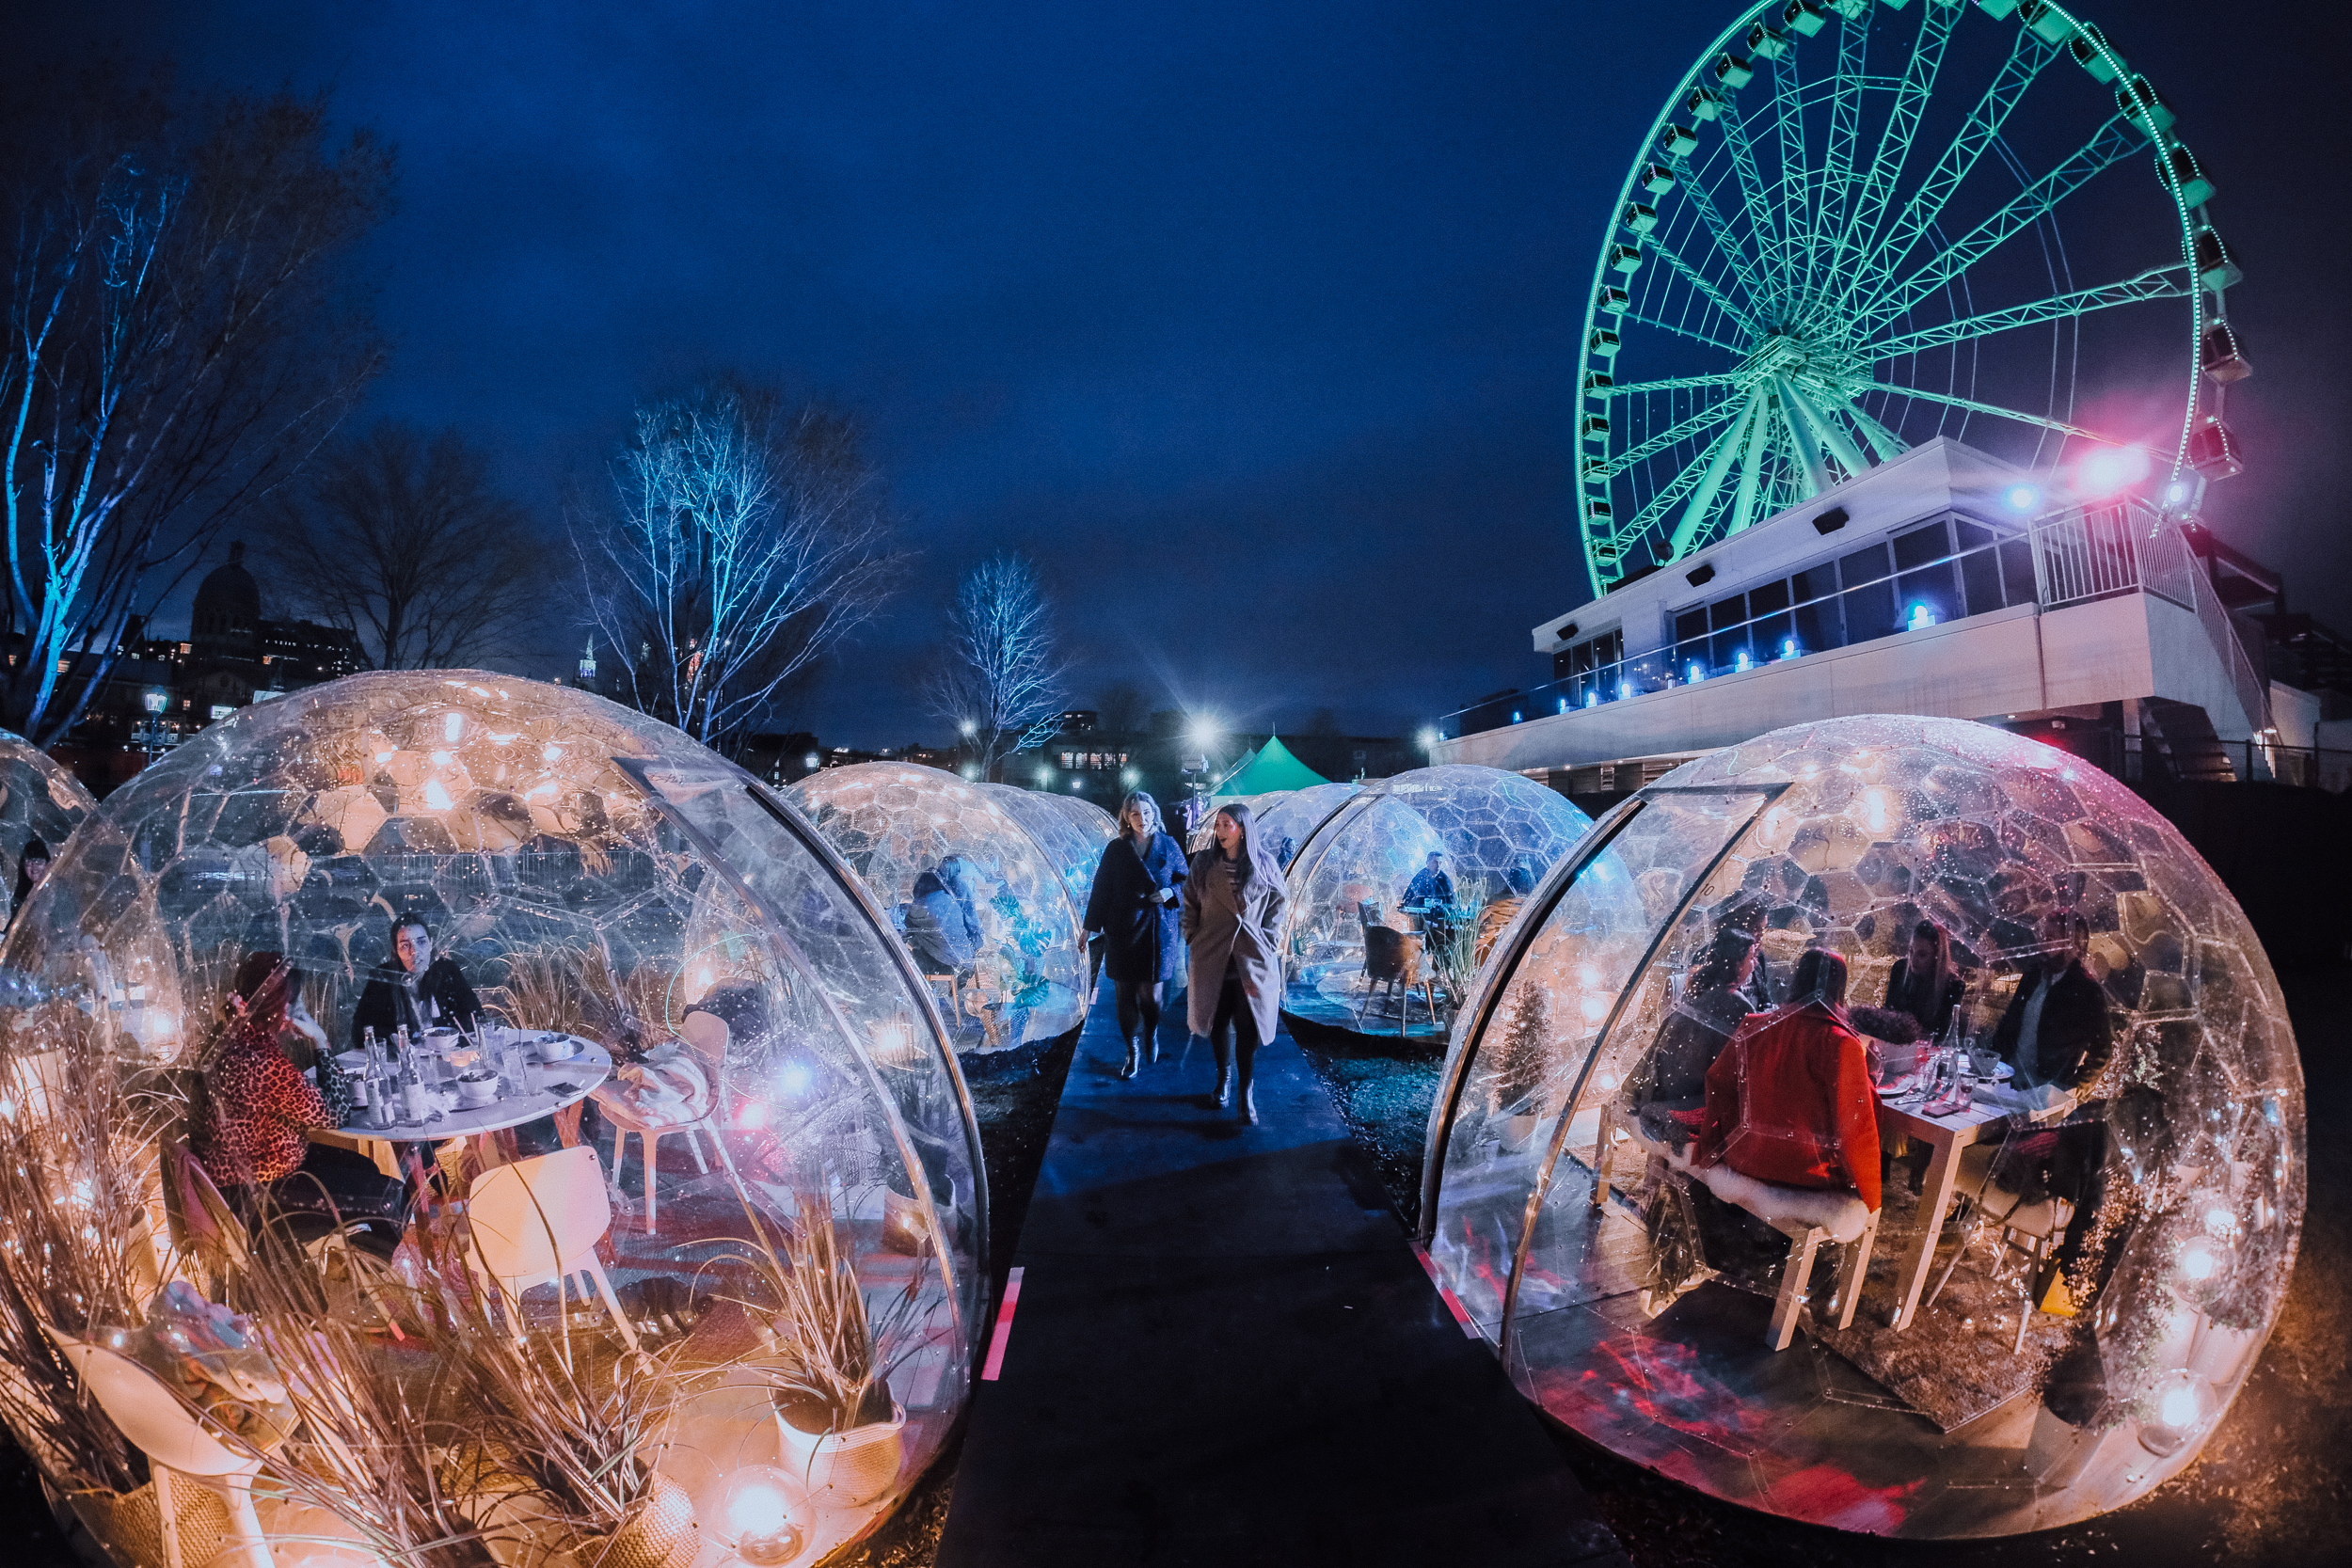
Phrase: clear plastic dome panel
pixel 687 961
pixel 1494 835
pixel 985 911
pixel 1289 821
pixel 2088 1204
pixel 38 799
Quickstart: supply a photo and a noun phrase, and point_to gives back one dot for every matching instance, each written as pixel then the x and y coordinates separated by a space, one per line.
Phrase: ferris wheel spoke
pixel 1677 384
pixel 1680 431
pixel 1696 336
pixel 1726 239
pixel 1751 195
pixel 1883 441
pixel 2116 139
pixel 1751 466
pixel 1691 274
pixel 1902 124
pixel 1676 490
pixel 1803 443
pixel 1952 400
pixel 2027 58
pixel 1845 127
pixel 1711 484
pixel 2172 282
pixel 1832 436
pixel 1795 198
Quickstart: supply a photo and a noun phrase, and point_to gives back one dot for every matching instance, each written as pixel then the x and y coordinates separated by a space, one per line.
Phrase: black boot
pixel 1132 1056
pixel 1248 1110
pixel 1152 1046
pixel 1224 1072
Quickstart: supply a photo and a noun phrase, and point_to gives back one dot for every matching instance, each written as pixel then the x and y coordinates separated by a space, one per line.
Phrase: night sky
pixel 1253 323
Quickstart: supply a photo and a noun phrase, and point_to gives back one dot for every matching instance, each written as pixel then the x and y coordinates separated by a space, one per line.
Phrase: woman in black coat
pixel 1134 905
pixel 417 990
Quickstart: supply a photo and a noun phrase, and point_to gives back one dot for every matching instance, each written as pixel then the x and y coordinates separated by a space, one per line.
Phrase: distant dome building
pixel 227 620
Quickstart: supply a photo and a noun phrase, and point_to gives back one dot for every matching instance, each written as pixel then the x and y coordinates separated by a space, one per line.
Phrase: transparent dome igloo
pixel 1068 847
pixel 679 956
pixel 1367 866
pixel 2121 1166
pixel 1291 818
pixel 1205 833
pixel 986 913
pixel 38 799
pixel 1099 826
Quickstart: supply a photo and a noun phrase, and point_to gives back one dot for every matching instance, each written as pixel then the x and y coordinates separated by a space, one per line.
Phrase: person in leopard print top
pixel 258 1103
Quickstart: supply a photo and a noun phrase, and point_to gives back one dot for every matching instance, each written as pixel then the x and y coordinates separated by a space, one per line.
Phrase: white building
pixel 1943 583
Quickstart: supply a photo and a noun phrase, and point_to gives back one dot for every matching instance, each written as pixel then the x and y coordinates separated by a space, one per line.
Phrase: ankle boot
pixel 1129 1071
pixel 1224 1072
pixel 1248 1112
pixel 1151 1046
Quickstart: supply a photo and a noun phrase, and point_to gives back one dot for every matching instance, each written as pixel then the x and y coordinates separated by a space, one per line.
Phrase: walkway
pixel 1224 1352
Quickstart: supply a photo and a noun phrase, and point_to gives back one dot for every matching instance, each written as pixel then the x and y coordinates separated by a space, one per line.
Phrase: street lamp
pixel 969 728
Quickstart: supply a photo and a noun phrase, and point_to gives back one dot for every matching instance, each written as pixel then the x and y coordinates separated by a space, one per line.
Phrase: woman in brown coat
pixel 1233 905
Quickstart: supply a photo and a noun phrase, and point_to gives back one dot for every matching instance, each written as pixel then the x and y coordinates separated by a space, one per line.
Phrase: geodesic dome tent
pixel 1067 847
pixel 38 799
pixel 1495 833
pixel 620 891
pixel 1943 1388
pixel 1024 979
pixel 1205 834
pixel 1099 826
pixel 1292 820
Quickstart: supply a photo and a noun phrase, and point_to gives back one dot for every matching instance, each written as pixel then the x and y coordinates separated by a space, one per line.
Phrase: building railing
pixel 2077 556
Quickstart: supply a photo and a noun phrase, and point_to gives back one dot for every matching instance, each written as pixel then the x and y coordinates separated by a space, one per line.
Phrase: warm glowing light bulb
pixel 1608 1080
pixel 2221 1221
pixel 756 1517
pixel 2178 1408
pixel 2198 1263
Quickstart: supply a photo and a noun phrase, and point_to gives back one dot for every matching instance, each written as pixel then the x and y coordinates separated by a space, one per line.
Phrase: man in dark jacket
pixel 941 931
pixel 418 989
pixel 2056 1033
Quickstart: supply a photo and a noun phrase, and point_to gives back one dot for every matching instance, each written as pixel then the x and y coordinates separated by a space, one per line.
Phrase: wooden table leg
pixel 1935 1196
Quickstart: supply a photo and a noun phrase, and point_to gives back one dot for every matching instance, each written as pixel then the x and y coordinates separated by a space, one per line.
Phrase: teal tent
pixel 1273 769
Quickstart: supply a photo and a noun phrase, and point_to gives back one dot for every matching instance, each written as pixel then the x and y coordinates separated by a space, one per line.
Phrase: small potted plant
pixel 839 1426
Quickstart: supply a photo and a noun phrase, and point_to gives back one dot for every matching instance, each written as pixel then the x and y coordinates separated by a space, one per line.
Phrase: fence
pixel 2079 555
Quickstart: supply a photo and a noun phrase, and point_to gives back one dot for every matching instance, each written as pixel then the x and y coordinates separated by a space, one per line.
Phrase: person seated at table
pixel 940 933
pixel 1923 983
pixel 2057 1039
pixel 254 1107
pixel 32 867
pixel 419 989
pixel 1669 1086
pixel 1497 916
pixel 1430 886
pixel 1789 1101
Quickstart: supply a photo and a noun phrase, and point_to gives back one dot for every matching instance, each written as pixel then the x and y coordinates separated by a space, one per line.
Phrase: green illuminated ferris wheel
pixel 1842 239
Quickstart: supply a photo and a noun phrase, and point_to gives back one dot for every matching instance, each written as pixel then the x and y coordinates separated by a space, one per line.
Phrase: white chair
pixel 706 1036
pixel 173 1438
pixel 539 1220
pixel 2043 1227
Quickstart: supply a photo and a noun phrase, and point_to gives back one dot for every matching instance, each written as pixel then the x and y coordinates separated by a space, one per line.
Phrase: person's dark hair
pixel 411 921
pixel 34 851
pixel 1256 860
pixel 1719 968
pixel 2077 925
pixel 254 969
pixel 1820 977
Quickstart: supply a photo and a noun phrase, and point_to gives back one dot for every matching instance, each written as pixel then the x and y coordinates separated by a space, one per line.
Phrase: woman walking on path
pixel 1233 904
pixel 1133 906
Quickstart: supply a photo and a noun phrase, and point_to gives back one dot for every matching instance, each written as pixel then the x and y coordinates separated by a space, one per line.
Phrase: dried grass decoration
pixel 840 1428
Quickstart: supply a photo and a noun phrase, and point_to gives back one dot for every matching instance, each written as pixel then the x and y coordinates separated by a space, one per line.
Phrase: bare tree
pixel 405 544
pixel 752 535
pixel 1002 670
pixel 176 345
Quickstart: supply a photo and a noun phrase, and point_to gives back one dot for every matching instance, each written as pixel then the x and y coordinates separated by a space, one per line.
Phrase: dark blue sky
pixel 1253 323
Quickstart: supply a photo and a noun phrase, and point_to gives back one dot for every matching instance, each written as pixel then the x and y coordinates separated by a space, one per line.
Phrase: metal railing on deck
pixel 2083 554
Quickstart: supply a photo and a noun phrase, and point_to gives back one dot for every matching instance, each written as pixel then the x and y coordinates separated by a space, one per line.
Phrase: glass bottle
pixel 415 1105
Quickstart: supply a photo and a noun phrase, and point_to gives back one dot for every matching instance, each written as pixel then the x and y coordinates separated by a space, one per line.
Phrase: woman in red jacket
pixel 1790 1100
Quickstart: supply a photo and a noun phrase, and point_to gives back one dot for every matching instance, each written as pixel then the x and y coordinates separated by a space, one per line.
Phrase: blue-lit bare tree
pixel 176 345
pixel 1003 669
pixel 751 535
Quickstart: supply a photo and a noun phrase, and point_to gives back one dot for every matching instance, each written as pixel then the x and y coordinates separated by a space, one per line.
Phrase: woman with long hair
pixel 1923 983
pixel 31 867
pixel 1133 904
pixel 1233 905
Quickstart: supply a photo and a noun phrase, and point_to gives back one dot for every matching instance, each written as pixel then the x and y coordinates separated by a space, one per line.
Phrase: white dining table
pixel 555 1085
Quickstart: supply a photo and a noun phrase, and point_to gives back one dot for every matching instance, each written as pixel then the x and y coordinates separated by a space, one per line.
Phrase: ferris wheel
pixel 1841 239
